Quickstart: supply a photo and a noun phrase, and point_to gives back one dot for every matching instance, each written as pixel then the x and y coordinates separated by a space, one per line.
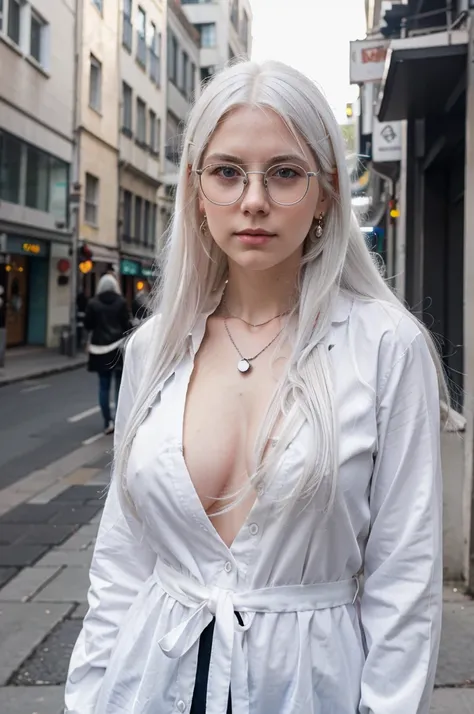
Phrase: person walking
pixel 271 541
pixel 108 321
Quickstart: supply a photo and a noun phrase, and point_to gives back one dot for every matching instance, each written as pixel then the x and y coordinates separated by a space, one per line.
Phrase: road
pixel 42 420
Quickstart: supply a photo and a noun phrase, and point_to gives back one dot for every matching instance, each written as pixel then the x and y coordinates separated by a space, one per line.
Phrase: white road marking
pixel 91 439
pixel 36 388
pixel 83 415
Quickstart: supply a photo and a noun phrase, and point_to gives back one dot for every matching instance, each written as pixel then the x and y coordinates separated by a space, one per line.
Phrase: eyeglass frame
pixel 309 175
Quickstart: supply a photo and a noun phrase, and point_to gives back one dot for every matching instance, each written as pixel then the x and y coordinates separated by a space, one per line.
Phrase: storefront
pixel 135 275
pixel 24 275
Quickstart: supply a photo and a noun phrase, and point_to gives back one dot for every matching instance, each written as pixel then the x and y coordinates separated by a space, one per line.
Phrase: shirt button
pixel 253 528
pixel 228 566
pixel 180 706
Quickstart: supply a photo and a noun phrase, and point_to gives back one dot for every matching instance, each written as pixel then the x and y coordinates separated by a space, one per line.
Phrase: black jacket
pixel 108 320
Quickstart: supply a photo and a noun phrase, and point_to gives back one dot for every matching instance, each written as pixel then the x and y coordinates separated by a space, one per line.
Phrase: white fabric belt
pixel 208 602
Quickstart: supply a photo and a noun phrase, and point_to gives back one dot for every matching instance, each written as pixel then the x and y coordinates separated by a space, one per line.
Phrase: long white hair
pixel 194 266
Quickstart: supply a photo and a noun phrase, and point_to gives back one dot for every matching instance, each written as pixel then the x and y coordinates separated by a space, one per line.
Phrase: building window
pixel 173 143
pixel 127 215
pixel 10 168
pixel 98 4
pixel 37 38
pixel 207 33
pixel 14 16
pixel 37 179
pixel 1 15
pixel 141 122
pixel 155 52
pixel 141 37
pixel 147 237
pixel 206 73
pixel 184 85
pixel 127 111
pixel 95 84
pixel 172 58
pixel 127 28
pixel 153 225
pixel 92 200
pixel 31 177
pixel 154 136
pixel 138 219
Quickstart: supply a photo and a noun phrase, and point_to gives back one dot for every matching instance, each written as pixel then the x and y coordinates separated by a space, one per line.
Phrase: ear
pixel 322 205
pixel 202 208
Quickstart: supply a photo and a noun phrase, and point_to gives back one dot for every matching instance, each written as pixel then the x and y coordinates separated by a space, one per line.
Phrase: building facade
pixel 36 153
pixel 181 87
pixel 141 118
pixel 426 96
pixel 225 31
pixel 97 134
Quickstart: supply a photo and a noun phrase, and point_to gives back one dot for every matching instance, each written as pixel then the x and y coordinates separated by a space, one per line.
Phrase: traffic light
pixel 85 259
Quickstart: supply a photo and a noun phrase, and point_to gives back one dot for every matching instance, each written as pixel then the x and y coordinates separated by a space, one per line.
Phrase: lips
pixel 255 232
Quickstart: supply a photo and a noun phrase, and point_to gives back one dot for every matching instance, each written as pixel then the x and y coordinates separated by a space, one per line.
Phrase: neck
pixel 259 295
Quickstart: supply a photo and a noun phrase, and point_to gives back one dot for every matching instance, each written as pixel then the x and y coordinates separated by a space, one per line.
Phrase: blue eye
pixel 226 172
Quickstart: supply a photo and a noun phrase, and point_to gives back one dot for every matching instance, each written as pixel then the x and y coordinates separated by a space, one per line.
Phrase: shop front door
pixel 17 291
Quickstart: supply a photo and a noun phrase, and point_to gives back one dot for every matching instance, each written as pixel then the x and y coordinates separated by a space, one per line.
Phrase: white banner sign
pixel 368 60
pixel 387 141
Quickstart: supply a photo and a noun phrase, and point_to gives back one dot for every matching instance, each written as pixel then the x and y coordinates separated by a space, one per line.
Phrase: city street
pixel 54 465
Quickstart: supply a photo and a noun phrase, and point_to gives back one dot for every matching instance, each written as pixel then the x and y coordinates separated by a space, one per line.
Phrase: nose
pixel 255 198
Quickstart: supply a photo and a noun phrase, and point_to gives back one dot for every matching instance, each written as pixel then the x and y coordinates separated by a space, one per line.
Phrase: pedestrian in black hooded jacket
pixel 107 318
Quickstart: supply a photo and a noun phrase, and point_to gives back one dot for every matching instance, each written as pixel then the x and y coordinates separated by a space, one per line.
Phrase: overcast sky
pixel 313 36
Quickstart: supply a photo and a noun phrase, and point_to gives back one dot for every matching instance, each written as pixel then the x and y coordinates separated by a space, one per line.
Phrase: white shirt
pixel 305 646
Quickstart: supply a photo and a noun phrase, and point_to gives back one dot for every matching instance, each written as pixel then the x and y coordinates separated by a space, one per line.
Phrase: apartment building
pixel 225 31
pixel 36 152
pixel 97 130
pixel 182 85
pixel 141 114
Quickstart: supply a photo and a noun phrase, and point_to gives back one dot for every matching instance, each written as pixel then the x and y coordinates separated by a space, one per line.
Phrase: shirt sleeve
pixel 120 566
pixel 401 603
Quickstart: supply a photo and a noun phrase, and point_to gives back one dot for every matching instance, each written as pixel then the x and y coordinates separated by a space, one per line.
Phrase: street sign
pixel 387 141
pixel 368 60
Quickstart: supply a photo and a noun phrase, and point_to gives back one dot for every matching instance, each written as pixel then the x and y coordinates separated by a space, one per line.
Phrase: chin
pixel 257 259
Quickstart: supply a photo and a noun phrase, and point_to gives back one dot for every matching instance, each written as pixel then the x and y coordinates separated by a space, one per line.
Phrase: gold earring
pixel 319 225
pixel 203 228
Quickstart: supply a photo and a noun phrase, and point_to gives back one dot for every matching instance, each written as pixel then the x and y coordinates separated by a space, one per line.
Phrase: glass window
pixel 98 4
pixel 10 168
pixel 153 226
pixel 14 13
pixel 95 84
pixel 141 22
pixel 58 188
pixel 127 29
pixel 92 199
pixel 184 73
pixel 138 218
pixel 152 122
pixel 1 14
pixel 127 214
pixel 36 35
pixel 172 58
pixel 127 8
pixel 127 125
pixel 208 34
pixel 141 121
pixel 37 179
pixel 147 223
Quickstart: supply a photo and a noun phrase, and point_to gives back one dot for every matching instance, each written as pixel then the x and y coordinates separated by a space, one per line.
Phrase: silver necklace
pixel 252 324
pixel 243 365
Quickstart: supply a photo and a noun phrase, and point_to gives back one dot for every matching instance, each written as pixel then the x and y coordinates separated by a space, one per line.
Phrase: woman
pixel 277 437
pixel 108 320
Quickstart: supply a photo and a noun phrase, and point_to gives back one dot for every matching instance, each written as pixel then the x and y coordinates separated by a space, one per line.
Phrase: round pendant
pixel 243 365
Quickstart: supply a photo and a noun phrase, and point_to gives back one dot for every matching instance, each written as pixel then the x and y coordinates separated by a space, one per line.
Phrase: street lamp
pixel 74 203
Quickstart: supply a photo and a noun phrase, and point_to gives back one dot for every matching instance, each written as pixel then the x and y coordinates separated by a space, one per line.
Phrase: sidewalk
pixel 43 601
pixel 33 362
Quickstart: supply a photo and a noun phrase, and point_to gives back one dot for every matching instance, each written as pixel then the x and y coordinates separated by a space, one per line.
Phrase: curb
pixel 44 372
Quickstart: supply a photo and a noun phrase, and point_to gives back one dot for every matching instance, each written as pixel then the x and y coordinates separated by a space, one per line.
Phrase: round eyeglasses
pixel 224 184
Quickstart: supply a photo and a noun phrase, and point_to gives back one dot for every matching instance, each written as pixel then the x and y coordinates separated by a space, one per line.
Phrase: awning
pixel 422 74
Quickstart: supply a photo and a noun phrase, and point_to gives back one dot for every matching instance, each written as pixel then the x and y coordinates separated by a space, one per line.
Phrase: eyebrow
pixel 274 160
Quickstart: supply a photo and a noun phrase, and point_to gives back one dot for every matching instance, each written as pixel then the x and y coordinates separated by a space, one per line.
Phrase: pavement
pixel 32 362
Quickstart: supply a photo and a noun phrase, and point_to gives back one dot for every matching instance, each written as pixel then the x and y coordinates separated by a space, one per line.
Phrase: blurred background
pixel 93 98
